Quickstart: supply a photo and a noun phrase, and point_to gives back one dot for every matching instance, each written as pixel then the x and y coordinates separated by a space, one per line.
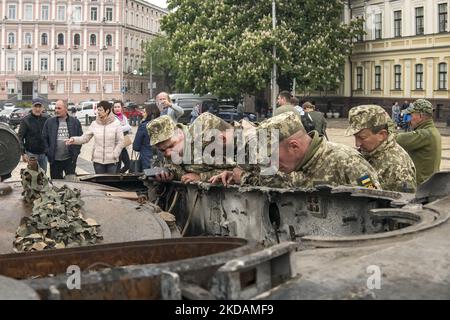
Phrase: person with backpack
pixel 318 119
pixel 284 102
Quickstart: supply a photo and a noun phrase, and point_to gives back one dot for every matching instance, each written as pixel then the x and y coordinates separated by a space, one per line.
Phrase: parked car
pixel 51 106
pixel 9 106
pixel 16 116
pixel 87 108
pixel 133 113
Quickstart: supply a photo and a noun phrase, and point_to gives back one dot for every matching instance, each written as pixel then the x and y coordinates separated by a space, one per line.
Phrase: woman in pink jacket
pixel 108 139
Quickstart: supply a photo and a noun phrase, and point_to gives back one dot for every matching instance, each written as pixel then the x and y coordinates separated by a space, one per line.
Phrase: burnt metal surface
pixel 146 268
pixel 323 214
pixel 120 219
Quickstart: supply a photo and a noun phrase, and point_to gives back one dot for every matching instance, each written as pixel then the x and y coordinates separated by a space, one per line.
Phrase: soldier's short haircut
pixel 286 95
pixel 377 129
pixel 294 101
pixel 308 105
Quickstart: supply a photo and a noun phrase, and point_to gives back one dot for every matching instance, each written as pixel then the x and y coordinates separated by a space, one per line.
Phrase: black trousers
pixel 125 158
pixel 57 168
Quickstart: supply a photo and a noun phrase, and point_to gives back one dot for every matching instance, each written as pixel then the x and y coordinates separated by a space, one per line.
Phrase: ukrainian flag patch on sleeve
pixel 366 181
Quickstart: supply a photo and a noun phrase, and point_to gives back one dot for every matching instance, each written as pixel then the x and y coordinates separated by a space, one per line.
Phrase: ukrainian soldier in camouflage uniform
pixel 203 155
pixel 374 136
pixel 306 160
pixel 424 143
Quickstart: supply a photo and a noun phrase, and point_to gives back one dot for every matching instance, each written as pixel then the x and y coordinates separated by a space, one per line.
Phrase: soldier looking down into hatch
pixel 424 143
pixel 373 130
pixel 196 152
pixel 307 159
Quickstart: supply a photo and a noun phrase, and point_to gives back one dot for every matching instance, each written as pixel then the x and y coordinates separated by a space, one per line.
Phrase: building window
pixel 12 11
pixel 60 87
pixel 377 78
pixel 108 40
pixel 60 64
pixel 108 65
pixel 92 64
pixel 442 17
pixel 11 85
pixel 94 11
pixel 11 64
pixel 93 87
pixel 442 76
pixel 419 21
pixel 44 12
pixel 43 87
pixel 60 39
pixel 28 12
pixel 398 77
pixel 28 38
pixel 61 13
pixel 359 78
pixel 109 14
pixel 76 65
pixel 398 23
pixel 93 40
pixel 76 14
pixel 108 88
pixel 11 38
pixel 44 39
pixel 27 64
pixel 378 26
pixel 76 39
pixel 76 87
pixel 44 64
pixel 419 76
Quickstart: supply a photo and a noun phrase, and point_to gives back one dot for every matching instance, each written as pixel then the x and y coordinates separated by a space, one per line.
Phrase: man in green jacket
pixel 424 143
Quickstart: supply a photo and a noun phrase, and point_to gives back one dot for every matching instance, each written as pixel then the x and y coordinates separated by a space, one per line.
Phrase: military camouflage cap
pixel 204 123
pixel 367 117
pixel 286 108
pixel 420 106
pixel 288 123
pixel 160 129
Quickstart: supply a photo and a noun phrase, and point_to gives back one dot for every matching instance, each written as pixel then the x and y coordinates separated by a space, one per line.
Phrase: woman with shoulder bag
pixel 108 139
pixel 126 128
pixel 142 140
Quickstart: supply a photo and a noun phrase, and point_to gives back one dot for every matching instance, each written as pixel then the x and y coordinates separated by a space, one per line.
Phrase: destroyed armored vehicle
pixel 201 241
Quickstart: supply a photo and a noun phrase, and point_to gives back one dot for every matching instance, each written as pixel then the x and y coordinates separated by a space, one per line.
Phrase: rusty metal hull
pixel 121 220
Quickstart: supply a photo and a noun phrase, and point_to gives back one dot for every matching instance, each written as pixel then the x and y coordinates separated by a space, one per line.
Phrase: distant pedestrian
pixel 126 129
pixel 166 107
pixel 62 158
pixel 30 134
pixel 141 141
pixel 195 112
pixel 396 113
pixel 108 139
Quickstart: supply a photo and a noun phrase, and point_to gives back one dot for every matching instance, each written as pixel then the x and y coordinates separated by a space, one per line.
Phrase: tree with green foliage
pixel 159 58
pixel 225 46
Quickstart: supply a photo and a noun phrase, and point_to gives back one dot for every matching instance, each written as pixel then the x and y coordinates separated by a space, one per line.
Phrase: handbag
pixel 127 141
pixel 135 163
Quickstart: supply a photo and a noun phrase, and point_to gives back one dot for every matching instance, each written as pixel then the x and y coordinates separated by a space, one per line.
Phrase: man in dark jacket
pixel 320 123
pixel 30 134
pixel 56 131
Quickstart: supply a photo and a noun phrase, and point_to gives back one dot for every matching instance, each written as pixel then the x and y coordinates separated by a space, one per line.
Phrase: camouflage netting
pixel 56 220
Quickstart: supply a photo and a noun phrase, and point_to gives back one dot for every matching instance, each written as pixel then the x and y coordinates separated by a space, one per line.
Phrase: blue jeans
pixel 41 159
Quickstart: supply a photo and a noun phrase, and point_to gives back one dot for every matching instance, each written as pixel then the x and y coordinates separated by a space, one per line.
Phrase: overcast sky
pixel 159 3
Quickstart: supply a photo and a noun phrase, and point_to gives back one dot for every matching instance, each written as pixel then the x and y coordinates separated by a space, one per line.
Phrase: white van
pixel 88 108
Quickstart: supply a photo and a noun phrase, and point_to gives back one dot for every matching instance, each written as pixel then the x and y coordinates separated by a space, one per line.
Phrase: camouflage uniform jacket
pixel 324 163
pixel 425 148
pixel 395 169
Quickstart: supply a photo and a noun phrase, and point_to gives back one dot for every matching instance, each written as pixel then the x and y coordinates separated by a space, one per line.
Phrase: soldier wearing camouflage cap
pixel 306 160
pixel 374 137
pixel 423 144
pixel 189 143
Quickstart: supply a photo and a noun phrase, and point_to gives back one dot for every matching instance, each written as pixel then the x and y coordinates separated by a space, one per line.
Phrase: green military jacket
pixel 320 123
pixel 395 169
pixel 424 147
pixel 324 163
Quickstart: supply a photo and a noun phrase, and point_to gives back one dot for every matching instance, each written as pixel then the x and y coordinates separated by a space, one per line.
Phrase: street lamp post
pixel 274 68
pixel 151 77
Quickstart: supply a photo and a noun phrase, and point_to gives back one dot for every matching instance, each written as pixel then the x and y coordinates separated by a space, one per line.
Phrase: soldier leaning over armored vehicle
pixel 373 130
pixel 196 152
pixel 308 159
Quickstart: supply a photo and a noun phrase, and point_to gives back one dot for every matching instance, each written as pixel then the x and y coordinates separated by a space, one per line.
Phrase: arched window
pixel 93 41
pixel 60 39
pixel 108 40
pixel 44 39
pixel 28 38
pixel 76 39
pixel 11 38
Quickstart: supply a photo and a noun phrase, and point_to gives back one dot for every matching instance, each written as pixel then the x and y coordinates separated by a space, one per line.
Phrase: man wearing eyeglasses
pixel 30 134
